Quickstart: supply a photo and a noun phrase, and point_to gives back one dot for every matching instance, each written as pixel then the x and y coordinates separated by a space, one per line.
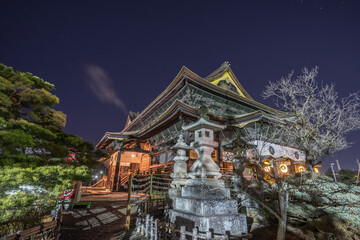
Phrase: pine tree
pixel 34 150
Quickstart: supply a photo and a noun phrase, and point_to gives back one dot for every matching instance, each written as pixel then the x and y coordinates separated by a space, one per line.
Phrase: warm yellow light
pixel 267 168
pixel 301 169
pixel 283 168
pixel 133 155
pixel 316 170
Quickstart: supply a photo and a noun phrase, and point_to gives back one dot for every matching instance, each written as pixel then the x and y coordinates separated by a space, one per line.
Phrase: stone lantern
pixel 204 145
pixel 204 201
pixel 180 167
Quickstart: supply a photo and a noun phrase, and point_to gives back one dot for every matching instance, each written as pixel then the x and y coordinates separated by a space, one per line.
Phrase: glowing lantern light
pixel 316 170
pixel 267 168
pixel 301 169
pixel 133 155
pixel 283 168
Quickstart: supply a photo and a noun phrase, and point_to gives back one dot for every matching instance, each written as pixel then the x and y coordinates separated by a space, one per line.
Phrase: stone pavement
pixel 105 219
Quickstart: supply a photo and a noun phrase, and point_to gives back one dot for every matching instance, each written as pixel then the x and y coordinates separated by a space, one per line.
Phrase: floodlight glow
pixel 283 168
pixel 301 169
pixel 267 168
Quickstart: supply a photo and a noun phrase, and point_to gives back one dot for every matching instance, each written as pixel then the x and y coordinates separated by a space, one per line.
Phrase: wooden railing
pixel 158 169
pixel 146 190
pixel 124 180
pixel 101 182
pixel 47 230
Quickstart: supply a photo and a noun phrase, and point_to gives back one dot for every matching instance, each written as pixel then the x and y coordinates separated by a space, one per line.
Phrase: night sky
pixel 108 57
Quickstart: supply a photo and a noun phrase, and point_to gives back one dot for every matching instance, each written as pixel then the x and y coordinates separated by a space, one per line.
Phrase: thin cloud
pixel 102 86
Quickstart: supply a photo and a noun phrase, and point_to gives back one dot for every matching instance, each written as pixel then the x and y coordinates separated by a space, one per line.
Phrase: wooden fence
pixel 47 230
pixel 153 229
pixel 146 190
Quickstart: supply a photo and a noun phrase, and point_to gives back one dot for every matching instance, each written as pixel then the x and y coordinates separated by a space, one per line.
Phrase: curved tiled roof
pixel 183 77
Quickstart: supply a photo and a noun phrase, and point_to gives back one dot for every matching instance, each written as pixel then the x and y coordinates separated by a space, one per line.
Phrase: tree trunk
pixel 283 201
pixel 309 163
pixel 281 232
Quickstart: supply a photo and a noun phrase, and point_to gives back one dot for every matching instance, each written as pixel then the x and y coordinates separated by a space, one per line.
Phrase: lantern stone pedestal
pixel 204 201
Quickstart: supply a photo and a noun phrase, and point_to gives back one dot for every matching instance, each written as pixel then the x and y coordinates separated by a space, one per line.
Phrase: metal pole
pixel 338 165
pixel 332 169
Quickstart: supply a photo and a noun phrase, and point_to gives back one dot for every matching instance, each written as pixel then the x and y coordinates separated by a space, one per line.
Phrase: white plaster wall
pixel 263 149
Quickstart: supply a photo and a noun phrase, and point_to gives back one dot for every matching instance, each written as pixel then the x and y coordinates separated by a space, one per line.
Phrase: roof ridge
pixel 219 70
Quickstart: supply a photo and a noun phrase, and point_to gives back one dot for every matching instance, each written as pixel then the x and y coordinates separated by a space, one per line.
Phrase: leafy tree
pixel 34 148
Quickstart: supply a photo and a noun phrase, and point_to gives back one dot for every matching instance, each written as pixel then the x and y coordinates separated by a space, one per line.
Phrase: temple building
pixel 144 144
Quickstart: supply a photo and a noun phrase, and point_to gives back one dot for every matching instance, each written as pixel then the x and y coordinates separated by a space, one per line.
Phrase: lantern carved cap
pixel 203 123
pixel 181 144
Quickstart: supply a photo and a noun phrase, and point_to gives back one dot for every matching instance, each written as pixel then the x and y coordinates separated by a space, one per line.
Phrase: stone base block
pixel 205 207
pixel 205 189
pixel 235 224
pixel 174 192
pixel 206 181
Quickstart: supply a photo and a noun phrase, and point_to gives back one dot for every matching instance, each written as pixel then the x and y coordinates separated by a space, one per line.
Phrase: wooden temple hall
pixel 144 145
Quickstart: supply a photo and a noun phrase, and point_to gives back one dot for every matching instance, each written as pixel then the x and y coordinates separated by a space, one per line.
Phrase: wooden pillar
pixel 116 176
pixel 128 209
pixel 108 180
pixel 151 192
pixel 77 193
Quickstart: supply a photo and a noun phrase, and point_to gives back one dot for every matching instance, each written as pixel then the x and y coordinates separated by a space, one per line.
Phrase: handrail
pixel 124 180
pixel 101 180
pixel 47 230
